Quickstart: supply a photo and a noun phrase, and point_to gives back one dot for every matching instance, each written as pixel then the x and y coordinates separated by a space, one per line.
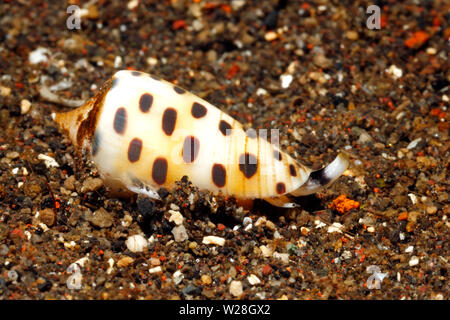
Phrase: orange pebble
pixel 403 216
pixel 342 204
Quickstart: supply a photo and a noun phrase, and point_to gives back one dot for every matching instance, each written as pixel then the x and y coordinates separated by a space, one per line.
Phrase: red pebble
pixel 266 270
pixel 417 39
pixel 178 24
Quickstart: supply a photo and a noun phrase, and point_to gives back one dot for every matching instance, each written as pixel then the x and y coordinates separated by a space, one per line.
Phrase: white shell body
pixel 145 133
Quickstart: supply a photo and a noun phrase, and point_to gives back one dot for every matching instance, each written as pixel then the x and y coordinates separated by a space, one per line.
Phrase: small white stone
pixel 5 91
pixel 253 280
pixel 431 51
pixel 25 106
pixel 261 295
pixel 260 221
pixel 28 234
pixel 371 229
pixel 39 55
pixel 388 157
pixel 155 269
pixel 277 235
pixel 176 217
pixel 413 143
pixel 413 198
pixel 213 240
pixel 61 85
pixel 284 257
pixel 117 61
pixel 173 206
pixel 439 296
pixel 286 80
pixel 136 243
pixel 177 276
pixel 132 4
pixel 270 36
pixel 197 24
pixel 319 224
pixel 445 98
pixel 291 67
pixel 395 72
pixel 409 249
pixel 111 265
pixel 261 92
pixel 400 115
pixel 127 220
pixel 15 171
pixel 70 245
pixel 247 221
pixel 266 251
pixel 49 161
pixel 236 288
pixel 335 227
pixel 413 261
pixel 152 61
pixel 43 226
pixel 346 254
pixel 179 233
pixel 237 4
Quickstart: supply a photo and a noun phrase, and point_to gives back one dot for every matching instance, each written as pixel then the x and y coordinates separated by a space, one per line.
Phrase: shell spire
pixel 80 123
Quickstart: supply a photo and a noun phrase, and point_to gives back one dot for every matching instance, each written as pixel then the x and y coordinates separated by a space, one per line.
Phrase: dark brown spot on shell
pixel 155 77
pixel 224 127
pixel 136 73
pixel 120 120
pixel 277 155
pixel 219 175
pixel 145 102
pixel 292 170
pixel 198 110
pixel 169 121
pixel 159 170
pixel 178 90
pixel 281 188
pixel 248 164
pixel 134 150
pixel 191 147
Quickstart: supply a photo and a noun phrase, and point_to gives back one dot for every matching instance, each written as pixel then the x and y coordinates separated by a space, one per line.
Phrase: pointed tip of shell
pixel 81 122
